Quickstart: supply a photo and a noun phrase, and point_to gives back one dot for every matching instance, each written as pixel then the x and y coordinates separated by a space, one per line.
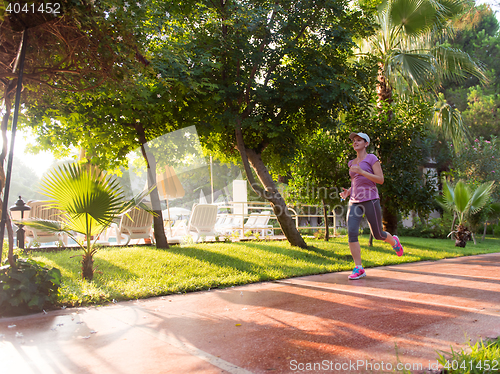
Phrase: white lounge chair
pixel 261 224
pixel 138 226
pixel 267 229
pixel 220 220
pixel 178 228
pixel 228 224
pixel 249 224
pixel 41 210
pixel 201 223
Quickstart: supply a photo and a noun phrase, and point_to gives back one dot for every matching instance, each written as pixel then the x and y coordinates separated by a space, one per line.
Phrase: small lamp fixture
pixel 17 212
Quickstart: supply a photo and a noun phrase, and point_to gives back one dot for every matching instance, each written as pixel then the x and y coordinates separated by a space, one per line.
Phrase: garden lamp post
pixel 17 212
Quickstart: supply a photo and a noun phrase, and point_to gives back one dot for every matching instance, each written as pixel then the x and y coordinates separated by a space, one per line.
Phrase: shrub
pixel 364 231
pixel 187 240
pixel 342 231
pixel 437 228
pixel 89 200
pixel 28 287
pixel 320 234
pixel 496 231
pixel 307 232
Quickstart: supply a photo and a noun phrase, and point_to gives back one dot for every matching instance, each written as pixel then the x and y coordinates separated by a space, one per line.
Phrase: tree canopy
pixel 254 77
pixel 414 56
pixel 267 73
pixel 84 46
pixel 399 145
pixel 478 34
pixel 319 171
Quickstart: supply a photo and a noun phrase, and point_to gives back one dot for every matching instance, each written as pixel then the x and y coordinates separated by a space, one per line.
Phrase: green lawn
pixel 141 272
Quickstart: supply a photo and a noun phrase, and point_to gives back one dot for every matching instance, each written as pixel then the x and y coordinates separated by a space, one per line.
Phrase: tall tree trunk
pixel 484 231
pixel 384 90
pixel 159 229
pixel 10 236
pixel 272 195
pixel 325 215
pixel 9 89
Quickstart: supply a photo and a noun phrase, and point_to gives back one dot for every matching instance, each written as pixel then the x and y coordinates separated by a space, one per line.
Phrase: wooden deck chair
pixel 40 209
pixel 138 226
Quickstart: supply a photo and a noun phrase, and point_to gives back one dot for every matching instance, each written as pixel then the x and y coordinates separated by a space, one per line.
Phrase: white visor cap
pixel 360 134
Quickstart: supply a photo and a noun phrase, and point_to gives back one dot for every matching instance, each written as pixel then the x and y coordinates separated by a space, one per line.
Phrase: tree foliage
pixel 414 57
pixel 75 49
pixel 282 68
pixel 482 114
pixel 479 163
pixel 399 145
pixel 477 34
pixel 319 171
pixel 267 73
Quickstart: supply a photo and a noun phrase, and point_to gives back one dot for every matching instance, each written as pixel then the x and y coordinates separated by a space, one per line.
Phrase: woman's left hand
pixel 356 169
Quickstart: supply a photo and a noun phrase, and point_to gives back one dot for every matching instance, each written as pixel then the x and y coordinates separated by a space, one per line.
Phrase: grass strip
pixel 125 273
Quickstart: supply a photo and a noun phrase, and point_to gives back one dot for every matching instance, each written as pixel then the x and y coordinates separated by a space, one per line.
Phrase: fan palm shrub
pixel 464 202
pixel 89 201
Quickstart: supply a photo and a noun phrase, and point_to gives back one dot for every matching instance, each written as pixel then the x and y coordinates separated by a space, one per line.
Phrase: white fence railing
pixel 249 205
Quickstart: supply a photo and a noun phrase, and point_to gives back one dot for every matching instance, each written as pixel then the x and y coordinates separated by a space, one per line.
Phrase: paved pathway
pixel 397 314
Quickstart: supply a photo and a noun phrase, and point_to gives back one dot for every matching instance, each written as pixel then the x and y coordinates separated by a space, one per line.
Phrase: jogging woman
pixel 365 172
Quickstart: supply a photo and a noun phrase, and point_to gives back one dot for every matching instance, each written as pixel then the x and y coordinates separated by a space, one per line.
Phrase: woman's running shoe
pixel 397 247
pixel 357 273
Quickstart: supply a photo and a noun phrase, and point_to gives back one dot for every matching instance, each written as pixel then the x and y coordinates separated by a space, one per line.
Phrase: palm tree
pixel 412 57
pixel 89 201
pixel 464 202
